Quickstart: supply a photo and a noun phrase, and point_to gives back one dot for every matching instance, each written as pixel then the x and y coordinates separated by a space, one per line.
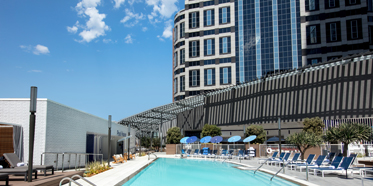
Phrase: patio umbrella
pixel 216 139
pixel 233 139
pixel 250 138
pixel 183 140
pixel 205 139
pixel 274 139
pixel 191 139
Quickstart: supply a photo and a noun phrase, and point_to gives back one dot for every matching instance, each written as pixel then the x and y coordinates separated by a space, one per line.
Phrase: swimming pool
pixel 192 172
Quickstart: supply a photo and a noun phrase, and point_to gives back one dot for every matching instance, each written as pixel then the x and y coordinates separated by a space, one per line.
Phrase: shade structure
pixel 274 139
pixel 216 139
pixel 191 139
pixel 183 140
pixel 205 139
pixel 249 139
pixel 234 139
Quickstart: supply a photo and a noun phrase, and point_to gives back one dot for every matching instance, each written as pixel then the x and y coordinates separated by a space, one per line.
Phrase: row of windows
pixel 209 17
pixel 209 47
pixel 313 5
pixel 197 63
pixel 333 31
pixel 209 78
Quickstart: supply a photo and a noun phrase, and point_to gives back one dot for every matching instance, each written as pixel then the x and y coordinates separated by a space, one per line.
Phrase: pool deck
pixel 121 171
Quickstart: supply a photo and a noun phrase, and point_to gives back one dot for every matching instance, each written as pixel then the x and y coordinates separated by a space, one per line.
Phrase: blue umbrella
pixel 250 138
pixel 183 140
pixel 191 139
pixel 216 139
pixel 274 139
pixel 233 139
pixel 205 139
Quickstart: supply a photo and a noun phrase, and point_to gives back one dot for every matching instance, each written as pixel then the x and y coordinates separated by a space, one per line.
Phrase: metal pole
pixel 33 100
pixel 128 147
pixel 109 141
pixel 279 134
pixel 159 133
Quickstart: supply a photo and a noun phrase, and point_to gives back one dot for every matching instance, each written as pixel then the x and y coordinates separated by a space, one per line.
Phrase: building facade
pixel 218 43
pixel 335 28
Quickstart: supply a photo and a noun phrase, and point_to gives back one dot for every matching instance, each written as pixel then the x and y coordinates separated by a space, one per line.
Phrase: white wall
pixel 59 128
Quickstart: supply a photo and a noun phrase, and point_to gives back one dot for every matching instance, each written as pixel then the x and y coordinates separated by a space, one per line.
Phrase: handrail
pixel 283 166
pixel 261 165
pixel 69 153
pixel 153 154
pixel 72 180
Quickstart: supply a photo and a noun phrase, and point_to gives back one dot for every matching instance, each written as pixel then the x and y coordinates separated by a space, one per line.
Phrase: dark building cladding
pixel 276 38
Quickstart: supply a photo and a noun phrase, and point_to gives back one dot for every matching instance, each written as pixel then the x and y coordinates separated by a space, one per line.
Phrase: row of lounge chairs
pixel 14 169
pixel 206 153
pixel 119 158
pixel 322 165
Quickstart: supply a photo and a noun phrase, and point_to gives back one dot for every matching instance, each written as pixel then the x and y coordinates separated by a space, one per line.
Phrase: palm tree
pixel 348 133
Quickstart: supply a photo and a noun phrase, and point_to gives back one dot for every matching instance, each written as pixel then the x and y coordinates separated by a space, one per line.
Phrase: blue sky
pixel 104 57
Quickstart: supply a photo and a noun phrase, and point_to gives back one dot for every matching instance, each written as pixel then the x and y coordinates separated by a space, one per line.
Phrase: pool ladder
pixel 282 168
pixel 261 165
pixel 71 180
pixel 153 154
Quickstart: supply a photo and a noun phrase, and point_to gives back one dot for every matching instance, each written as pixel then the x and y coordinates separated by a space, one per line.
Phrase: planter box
pixel 170 149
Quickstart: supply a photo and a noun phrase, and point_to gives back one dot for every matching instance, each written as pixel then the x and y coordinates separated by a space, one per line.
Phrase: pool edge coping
pixel 125 180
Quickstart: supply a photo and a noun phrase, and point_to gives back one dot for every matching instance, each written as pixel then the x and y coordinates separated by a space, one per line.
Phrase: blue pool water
pixel 190 172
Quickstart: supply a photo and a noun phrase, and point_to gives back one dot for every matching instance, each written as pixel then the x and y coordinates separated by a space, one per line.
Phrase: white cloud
pixel 118 3
pixel 144 29
pixel 106 40
pixel 40 49
pixel 37 71
pixel 74 28
pixel 130 15
pixel 95 26
pixel 164 7
pixel 160 38
pixel 128 39
pixel 167 33
pixel 37 50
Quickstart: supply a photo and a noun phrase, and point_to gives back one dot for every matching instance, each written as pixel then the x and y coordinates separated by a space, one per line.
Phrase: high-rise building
pixel 223 42
pixel 335 28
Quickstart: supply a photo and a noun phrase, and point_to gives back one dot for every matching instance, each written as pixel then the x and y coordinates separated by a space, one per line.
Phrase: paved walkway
pixel 119 172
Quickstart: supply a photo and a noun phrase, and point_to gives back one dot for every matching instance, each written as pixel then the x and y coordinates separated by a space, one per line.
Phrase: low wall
pixel 170 149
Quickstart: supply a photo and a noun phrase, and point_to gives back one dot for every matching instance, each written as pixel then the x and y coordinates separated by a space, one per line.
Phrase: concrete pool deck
pixel 120 171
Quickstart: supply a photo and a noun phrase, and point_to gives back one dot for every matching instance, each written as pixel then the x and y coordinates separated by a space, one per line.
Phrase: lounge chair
pixel 335 164
pixel 293 160
pixel 117 159
pixel 213 154
pixel 265 159
pixel 285 159
pixel 343 167
pixel 230 153
pixel 5 175
pixel 308 162
pixel 223 154
pixel 13 160
pixel 196 151
pixel 187 153
pixel 240 154
pixel 279 158
pixel 317 163
pixel 330 157
pixel 18 171
pixel 124 157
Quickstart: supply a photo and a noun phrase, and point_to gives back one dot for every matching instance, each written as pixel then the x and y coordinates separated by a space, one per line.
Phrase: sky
pixel 103 57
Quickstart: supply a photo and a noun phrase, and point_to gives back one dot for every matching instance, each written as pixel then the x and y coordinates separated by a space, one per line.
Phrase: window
pixel 182 56
pixel 313 61
pixel 175 59
pixel 175 85
pixel 331 4
pixel 209 47
pixel 175 33
pixel 313 34
pixel 208 17
pixel 352 2
pixel 194 20
pixel 225 75
pixel 182 29
pixel 354 29
pixel 194 78
pixel 333 31
pixel 370 31
pixel 370 5
pixel 225 45
pixel 209 77
pixel 224 15
pixel 312 5
pixel 194 49
pixel 182 83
